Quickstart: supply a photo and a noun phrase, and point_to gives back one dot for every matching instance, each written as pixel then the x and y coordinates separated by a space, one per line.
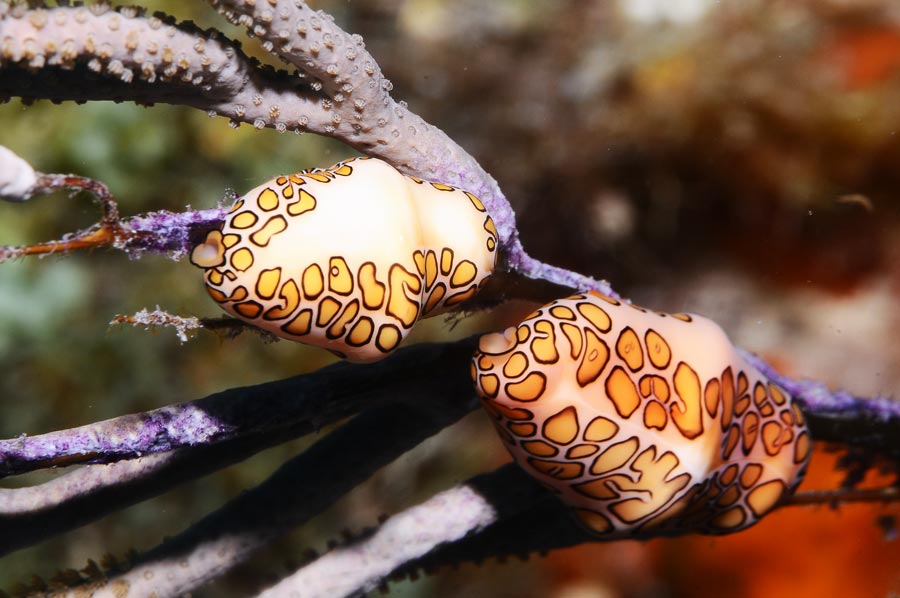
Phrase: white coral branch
pixel 17 177
pixel 359 568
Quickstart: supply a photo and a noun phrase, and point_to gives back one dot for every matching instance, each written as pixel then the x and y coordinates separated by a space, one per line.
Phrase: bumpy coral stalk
pixel 94 53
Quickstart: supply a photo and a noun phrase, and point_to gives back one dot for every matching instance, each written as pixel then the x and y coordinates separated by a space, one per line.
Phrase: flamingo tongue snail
pixel 643 423
pixel 349 257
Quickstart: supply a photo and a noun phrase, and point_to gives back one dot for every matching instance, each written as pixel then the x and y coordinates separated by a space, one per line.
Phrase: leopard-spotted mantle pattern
pixel 644 423
pixel 349 257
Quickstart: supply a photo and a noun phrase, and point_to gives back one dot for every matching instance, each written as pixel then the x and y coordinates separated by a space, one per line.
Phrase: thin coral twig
pixel 161 232
pixel 841 496
pixel 108 231
pixel 185 325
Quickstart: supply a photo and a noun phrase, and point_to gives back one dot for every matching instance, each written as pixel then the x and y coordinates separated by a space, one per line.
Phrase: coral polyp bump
pixel 643 423
pixel 349 257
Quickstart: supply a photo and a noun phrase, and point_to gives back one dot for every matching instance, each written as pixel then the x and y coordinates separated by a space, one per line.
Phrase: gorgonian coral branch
pixel 314 399
pixel 204 435
pixel 75 53
pixel 368 118
pixel 83 54
pixel 363 566
pixel 358 103
pixel 300 489
pixel 79 53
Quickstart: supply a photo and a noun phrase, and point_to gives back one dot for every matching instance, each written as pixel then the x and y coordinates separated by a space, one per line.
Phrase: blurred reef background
pixel 738 159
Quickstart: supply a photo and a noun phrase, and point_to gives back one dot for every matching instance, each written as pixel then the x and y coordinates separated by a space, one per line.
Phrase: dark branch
pixel 297 491
pixel 251 418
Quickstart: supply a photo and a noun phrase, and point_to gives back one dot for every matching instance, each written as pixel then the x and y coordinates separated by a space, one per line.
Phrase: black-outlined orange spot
pixel 301 324
pixel 529 388
pixel 268 282
pixel 304 203
pixel 291 296
pixel 596 316
pixel 687 416
pixel 539 448
pixel 621 391
pixel 562 427
pixel 312 282
pixel 615 456
pixel 600 429
pixel 628 348
pixel 267 200
pixel 340 280
pixel 595 358
pixel 388 338
pixel 242 259
pixel 658 350
pixel 245 219
pixel 274 226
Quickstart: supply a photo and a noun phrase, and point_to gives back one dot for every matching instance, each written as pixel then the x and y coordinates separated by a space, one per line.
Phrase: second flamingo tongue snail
pixel 643 423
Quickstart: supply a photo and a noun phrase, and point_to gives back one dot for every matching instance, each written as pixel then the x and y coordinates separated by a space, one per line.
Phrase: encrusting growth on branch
pixel 184 326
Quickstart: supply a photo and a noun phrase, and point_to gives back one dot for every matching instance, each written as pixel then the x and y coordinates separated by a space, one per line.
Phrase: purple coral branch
pixel 222 429
pixel 170 233
pixel 315 399
pixel 35 513
pixel 124 437
pixel 816 398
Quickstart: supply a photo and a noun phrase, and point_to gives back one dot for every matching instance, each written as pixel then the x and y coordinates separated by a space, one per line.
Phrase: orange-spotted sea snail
pixel 349 257
pixel 641 422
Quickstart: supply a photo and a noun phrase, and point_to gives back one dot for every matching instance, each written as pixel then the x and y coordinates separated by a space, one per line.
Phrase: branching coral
pixel 338 90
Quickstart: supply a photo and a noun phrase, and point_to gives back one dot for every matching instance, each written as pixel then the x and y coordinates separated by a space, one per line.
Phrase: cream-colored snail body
pixel 348 258
pixel 642 422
